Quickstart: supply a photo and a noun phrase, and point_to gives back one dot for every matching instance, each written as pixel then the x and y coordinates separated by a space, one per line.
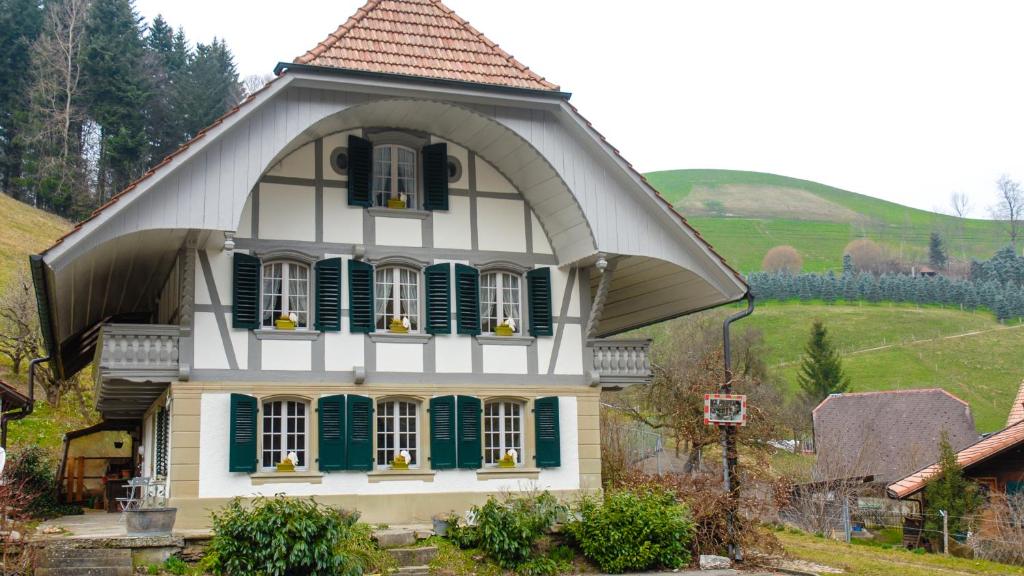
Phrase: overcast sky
pixel 907 101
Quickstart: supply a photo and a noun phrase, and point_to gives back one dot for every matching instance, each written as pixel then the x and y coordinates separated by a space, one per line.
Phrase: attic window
pixel 394 176
pixel 339 160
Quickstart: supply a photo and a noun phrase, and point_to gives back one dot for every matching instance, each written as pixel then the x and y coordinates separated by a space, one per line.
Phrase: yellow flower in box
pixel 401 462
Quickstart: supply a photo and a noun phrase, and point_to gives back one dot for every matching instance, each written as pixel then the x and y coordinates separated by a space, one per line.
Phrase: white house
pixel 408 241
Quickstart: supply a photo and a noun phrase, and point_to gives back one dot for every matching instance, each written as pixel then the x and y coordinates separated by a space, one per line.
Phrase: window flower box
pixel 504 330
pixel 285 466
pixel 396 203
pixel 398 327
pixel 401 462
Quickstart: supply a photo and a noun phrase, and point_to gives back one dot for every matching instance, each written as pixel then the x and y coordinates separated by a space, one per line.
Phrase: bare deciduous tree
pixel 961 204
pixel 1009 206
pixel 782 258
pixel 19 328
pixel 253 82
pixel 867 256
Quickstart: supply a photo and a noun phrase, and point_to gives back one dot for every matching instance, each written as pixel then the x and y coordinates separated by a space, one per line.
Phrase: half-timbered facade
pixel 401 262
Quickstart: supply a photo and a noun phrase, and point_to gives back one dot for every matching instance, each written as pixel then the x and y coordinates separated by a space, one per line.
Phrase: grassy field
pixel 891 347
pixel 743 214
pixel 25 231
pixel 874 561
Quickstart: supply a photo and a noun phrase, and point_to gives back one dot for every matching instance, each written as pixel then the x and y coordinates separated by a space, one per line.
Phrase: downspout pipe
pixel 730 455
pixel 28 408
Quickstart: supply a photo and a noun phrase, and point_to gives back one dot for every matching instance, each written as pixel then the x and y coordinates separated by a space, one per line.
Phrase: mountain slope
pixel 744 214
pixel 25 230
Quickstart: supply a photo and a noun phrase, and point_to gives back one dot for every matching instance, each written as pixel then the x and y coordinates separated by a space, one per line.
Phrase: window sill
pixel 401 475
pixel 271 334
pixel 505 340
pixel 398 212
pixel 494 473
pixel 297 477
pixel 407 338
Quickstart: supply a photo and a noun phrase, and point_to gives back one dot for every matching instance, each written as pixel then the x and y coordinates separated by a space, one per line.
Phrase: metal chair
pixel 137 488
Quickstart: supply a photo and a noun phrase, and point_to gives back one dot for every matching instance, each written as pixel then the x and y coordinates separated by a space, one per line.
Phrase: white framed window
pixel 285 291
pixel 503 430
pixel 397 296
pixel 398 424
pixel 500 301
pixel 285 429
pixel 394 174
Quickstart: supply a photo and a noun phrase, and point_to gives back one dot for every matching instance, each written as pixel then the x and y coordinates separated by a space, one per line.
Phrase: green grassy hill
pixel 892 347
pixel 744 214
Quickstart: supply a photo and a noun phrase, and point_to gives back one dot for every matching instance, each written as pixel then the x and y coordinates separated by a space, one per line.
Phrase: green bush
pixel 630 531
pixel 33 473
pixel 282 537
pixel 507 531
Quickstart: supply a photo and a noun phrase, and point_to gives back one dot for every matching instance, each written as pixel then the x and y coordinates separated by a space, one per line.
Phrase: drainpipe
pixel 27 409
pixel 730 456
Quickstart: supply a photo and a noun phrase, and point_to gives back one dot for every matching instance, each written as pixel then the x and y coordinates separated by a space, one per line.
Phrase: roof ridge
pixel 404 23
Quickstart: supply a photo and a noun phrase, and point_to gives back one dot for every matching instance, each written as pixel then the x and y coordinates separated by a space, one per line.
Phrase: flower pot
pixel 397 327
pixel 503 330
pixel 285 467
pixel 399 465
pixel 503 463
pixel 149 521
pixel 284 324
pixel 395 203
pixel 440 526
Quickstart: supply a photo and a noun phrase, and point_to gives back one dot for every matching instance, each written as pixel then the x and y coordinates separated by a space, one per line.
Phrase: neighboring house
pixel 887 435
pixel 449 243
pixel 13 405
pixel 996 462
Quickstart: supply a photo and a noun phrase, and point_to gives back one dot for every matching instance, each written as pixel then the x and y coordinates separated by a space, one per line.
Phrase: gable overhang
pixel 589 201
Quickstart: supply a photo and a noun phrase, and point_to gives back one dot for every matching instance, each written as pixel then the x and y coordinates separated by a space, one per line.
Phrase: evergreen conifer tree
pixel 937 252
pixel 951 492
pixel 847 265
pixel 821 370
pixel 21 21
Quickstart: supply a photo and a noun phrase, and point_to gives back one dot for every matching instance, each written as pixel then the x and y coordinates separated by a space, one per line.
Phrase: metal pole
pixel 730 456
pixel 945 531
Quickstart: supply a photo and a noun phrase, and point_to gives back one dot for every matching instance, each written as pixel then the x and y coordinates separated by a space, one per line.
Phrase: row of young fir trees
pixel 91 96
pixel 996 284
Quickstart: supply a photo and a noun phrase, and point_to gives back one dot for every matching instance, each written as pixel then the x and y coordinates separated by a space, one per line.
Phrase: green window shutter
pixel 442 433
pixel 467 299
pixel 360 171
pixel 538 283
pixel 1014 487
pixel 242 452
pixel 360 297
pixel 545 424
pixel 359 438
pixel 330 413
pixel 435 176
pixel 328 295
pixel 245 292
pixel 438 280
pixel 470 448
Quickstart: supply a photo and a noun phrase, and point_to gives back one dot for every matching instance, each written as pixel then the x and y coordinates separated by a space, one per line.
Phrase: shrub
pixel 631 531
pixel 282 537
pixel 508 531
pixel 783 258
pixel 34 472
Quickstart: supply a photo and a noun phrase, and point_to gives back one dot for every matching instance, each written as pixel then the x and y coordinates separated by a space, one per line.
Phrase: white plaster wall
pixel 220 265
pixel 330 143
pixel 452 228
pixel 399 357
pixel 298 164
pixel 343 350
pixel 287 212
pixel 245 222
pixel 453 353
pixel 342 223
pixel 490 180
pixel 287 355
pixel 545 346
pixel 462 156
pixel 501 224
pixel 501 359
pixel 559 277
pixel 209 348
pixel 570 355
pixel 540 238
pixel 399 231
pixel 216 482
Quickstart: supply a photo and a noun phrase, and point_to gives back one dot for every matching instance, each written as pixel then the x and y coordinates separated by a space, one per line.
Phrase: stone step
pixel 73 571
pixel 414 557
pixel 84 557
pixel 414 571
pixel 394 537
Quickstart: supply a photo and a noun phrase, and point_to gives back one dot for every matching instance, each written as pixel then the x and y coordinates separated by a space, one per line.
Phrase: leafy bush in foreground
pixel 282 537
pixel 628 531
pixel 508 531
pixel 32 470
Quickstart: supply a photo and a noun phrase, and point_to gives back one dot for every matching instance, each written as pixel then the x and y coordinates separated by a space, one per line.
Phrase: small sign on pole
pixel 725 409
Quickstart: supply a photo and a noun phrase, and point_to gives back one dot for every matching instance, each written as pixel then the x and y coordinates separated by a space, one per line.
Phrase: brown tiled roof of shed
pixel 11 397
pixel 421 38
pixel 887 434
pixel 982 450
pixel 1017 409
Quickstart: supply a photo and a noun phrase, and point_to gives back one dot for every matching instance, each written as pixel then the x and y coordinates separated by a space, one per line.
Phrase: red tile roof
pixel 982 450
pixel 1017 409
pixel 420 38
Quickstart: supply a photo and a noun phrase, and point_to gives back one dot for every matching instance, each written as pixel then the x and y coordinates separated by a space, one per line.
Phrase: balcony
pixel 134 364
pixel 622 362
